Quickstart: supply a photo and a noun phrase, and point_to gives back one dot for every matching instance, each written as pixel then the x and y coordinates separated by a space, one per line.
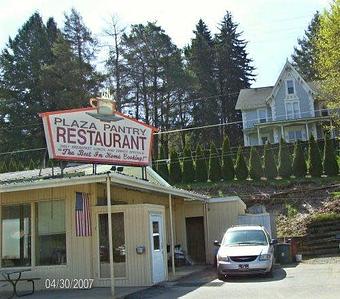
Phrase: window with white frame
pixel 290 87
pixel 262 115
pixel 294 135
pixel 293 109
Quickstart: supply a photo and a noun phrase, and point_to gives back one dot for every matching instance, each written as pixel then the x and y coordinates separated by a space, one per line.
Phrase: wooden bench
pixel 14 282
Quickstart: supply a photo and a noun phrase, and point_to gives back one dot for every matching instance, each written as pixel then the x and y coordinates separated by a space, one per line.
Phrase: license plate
pixel 243 266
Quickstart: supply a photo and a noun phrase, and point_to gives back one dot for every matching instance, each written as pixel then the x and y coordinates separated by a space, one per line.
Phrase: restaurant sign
pixel 97 134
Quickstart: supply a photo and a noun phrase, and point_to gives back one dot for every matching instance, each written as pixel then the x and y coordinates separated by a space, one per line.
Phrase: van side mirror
pixel 273 242
pixel 216 243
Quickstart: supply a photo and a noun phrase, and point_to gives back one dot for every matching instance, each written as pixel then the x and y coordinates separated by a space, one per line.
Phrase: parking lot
pixel 306 280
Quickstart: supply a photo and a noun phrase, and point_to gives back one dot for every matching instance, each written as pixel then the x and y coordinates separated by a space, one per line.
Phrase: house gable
pixel 291 89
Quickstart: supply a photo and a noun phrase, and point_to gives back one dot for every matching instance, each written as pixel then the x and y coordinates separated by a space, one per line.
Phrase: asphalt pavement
pixel 304 280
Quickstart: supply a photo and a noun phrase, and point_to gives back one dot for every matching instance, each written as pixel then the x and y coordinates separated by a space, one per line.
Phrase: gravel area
pixel 323 260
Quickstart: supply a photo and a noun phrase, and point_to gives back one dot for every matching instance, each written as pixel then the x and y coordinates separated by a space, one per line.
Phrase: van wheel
pixel 221 276
pixel 270 273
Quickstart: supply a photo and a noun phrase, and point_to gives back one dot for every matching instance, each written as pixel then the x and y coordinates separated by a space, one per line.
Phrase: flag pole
pixel 108 197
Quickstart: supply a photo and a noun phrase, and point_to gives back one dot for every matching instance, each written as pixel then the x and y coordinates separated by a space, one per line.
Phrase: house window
pixel 16 235
pixel 293 109
pixel 262 115
pixel 50 233
pixel 294 135
pixel 290 87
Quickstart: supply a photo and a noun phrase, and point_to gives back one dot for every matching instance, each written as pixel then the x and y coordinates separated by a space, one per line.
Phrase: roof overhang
pixel 116 179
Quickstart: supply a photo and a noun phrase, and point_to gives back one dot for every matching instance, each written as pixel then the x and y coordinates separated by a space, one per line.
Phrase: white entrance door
pixel 157 248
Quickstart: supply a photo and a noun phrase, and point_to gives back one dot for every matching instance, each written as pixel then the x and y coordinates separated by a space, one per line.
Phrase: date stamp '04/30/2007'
pixel 68 283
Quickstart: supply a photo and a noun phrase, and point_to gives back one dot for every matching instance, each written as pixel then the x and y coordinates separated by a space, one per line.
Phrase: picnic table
pixel 13 277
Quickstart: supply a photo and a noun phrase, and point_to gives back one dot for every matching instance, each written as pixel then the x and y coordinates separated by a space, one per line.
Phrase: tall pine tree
pixel 175 169
pixel 201 169
pixel 330 164
pixel 270 170
pixel 255 165
pixel 214 164
pixel 285 161
pixel 304 56
pixel 162 165
pixel 314 158
pixel 228 172
pixel 234 71
pixel 201 63
pixel 299 162
pixel 241 169
pixel 188 165
pixel 21 88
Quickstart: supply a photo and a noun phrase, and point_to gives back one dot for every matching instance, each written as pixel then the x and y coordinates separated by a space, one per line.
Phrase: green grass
pixel 321 217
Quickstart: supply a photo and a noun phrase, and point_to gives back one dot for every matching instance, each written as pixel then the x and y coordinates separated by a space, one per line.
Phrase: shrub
pixel 314 158
pixel 299 162
pixel 188 165
pixel 330 163
pixel 175 171
pixel 228 171
pixel 214 164
pixel 201 169
pixel 241 170
pixel 285 160
pixel 162 165
pixel 255 165
pixel 270 170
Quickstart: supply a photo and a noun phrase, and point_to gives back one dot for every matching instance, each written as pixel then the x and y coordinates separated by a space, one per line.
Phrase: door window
pixel 156 235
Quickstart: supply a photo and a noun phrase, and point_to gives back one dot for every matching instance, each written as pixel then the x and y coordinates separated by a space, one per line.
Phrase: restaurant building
pixel 54 221
pixel 38 224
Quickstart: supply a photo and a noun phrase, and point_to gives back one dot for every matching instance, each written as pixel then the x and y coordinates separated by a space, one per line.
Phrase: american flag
pixel 83 217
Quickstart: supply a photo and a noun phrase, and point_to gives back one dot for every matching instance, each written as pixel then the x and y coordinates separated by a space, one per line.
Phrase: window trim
pixel 292 102
pixel 33 236
pixel 294 87
pixel 258 114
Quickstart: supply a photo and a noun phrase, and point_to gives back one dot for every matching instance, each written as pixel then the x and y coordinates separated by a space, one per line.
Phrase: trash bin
pixel 293 249
pixel 283 253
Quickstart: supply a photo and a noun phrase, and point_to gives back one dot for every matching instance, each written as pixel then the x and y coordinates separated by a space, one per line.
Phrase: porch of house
pixel 289 130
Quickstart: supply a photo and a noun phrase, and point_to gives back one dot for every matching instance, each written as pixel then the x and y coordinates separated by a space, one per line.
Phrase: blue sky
pixel 271 26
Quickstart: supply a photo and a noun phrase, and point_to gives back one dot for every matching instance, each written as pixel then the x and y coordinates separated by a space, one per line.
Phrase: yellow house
pixel 40 229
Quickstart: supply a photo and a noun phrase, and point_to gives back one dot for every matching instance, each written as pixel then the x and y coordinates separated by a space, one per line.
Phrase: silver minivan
pixel 245 250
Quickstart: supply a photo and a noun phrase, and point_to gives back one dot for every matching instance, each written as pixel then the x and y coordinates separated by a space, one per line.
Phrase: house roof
pixel 252 98
pixel 82 174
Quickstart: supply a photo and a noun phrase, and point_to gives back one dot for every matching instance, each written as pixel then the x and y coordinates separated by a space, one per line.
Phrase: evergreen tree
pixel 201 169
pixel 241 170
pixel 188 165
pixel 234 71
pixel 255 166
pixel 201 64
pixel 314 158
pixel 21 90
pixel 175 170
pixel 83 46
pixel 214 164
pixel 270 170
pixel 228 172
pixel 330 164
pixel 285 161
pixel 299 162
pixel 162 166
pixel 304 56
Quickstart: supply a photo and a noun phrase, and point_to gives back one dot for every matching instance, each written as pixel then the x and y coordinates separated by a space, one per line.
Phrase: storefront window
pixel 16 235
pixel 118 238
pixel 50 233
